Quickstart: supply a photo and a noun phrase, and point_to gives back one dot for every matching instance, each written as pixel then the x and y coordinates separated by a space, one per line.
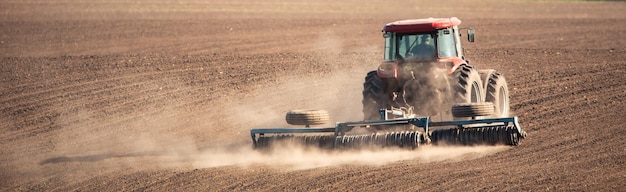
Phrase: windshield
pixel 410 46
pixel 420 46
pixel 417 46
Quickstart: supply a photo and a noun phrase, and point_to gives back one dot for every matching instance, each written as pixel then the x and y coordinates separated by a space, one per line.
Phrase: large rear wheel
pixel 468 87
pixel 373 96
pixel 497 92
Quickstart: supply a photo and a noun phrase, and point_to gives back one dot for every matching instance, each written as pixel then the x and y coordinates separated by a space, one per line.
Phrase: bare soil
pixel 160 95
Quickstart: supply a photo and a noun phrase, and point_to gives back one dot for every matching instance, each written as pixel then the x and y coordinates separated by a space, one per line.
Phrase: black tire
pixel 469 86
pixel 472 109
pixel 307 117
pixel 497 92
pixel 373 96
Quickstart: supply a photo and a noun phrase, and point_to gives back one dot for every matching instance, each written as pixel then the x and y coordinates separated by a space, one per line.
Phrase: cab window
pixel 446 43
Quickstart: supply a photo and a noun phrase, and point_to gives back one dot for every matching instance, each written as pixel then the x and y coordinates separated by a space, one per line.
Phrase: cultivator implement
pixel 416 131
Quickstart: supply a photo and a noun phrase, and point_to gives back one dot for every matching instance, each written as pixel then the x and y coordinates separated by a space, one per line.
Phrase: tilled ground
pixel 161 96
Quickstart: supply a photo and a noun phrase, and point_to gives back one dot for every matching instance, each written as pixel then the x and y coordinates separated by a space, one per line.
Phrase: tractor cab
pixel 424 39
pixel 431 39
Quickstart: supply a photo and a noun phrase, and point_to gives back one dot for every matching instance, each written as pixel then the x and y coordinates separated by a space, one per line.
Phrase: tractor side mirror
pixel 470 35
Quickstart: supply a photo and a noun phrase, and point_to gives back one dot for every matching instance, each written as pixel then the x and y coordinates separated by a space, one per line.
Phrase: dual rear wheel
pixel 467 84
pixel 480 93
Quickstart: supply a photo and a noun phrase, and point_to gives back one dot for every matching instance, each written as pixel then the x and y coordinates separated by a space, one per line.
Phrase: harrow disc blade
pixel 321 141
pixel 409 140
pixel 507 135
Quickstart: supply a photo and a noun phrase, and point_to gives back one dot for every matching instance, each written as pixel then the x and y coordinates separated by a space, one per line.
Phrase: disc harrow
pixel 486 131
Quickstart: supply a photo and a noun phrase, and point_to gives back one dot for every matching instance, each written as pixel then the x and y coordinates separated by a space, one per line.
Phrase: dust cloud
pixel 298 158
pixel 427 87
pixel 180 139
pixel 338 92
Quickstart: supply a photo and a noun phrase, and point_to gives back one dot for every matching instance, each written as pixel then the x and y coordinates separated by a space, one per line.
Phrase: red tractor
pixel 425 73
pixel 423 92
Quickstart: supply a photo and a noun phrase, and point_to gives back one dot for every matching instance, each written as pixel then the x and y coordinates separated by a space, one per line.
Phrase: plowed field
pixel 160 95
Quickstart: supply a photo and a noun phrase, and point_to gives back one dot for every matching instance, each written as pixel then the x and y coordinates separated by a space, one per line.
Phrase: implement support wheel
pixel 472 109
pixel 307 117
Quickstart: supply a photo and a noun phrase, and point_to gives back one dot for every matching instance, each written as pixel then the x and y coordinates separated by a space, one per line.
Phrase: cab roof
pixel 421 25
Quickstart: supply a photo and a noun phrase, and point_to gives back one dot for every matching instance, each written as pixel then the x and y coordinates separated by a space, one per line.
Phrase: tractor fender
pixel 387 69
pixel 452 63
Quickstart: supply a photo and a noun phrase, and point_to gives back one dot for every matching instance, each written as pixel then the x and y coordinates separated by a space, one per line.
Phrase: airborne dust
pixel 338 93
pixel 219 136
pixel 158 145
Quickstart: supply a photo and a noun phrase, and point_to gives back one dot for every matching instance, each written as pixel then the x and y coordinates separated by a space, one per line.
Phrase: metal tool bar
pixel 375 122
pixel 292 130
pixel 474 121
pixel 505 121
